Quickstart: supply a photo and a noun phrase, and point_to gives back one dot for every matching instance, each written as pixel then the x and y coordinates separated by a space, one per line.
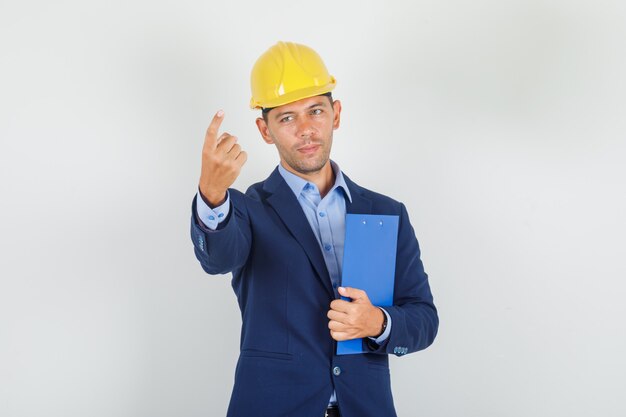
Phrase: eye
pixel 286 119
pixel 317 111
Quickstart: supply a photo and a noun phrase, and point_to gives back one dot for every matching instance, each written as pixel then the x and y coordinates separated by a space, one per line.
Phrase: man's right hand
pixel 222 159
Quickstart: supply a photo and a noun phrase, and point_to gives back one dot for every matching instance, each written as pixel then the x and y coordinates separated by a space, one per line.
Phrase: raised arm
pixel 224 247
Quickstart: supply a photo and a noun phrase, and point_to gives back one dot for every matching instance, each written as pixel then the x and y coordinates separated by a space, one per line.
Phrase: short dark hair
pixel 266 110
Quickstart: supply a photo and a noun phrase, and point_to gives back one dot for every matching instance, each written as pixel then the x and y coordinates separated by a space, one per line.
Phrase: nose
pixel 305 127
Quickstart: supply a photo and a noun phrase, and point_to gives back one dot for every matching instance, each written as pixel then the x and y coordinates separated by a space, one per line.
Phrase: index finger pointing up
pixel 211 133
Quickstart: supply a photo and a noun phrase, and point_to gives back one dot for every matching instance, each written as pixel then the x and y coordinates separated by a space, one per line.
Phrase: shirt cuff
pixel 211 217
pixel 381 339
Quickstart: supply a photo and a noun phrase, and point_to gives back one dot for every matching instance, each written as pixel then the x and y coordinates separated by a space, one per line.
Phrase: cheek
pixel 326 124
pixel 282 141
pixel 282 132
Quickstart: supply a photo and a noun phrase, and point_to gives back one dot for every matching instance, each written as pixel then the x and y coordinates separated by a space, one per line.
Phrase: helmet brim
pixel 295 95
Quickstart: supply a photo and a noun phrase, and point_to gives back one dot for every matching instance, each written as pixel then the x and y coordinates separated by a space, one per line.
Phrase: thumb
pixel 354 293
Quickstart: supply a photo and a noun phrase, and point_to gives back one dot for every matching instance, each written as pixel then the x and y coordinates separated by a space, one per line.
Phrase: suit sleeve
pixel 413 313
pixel 225 249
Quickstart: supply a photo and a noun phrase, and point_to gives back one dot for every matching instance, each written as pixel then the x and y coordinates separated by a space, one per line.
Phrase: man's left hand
pixel 355 319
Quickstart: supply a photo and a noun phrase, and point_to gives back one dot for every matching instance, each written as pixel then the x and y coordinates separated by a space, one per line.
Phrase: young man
pixel 283 241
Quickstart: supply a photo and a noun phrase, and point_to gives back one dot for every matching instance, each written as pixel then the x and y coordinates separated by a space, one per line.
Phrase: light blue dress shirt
pixel 327 217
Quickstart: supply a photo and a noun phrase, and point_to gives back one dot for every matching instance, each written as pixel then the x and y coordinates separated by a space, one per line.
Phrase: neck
pixel 324 178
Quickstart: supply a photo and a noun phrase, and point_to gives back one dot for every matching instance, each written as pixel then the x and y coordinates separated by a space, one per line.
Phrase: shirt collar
pixel 297 183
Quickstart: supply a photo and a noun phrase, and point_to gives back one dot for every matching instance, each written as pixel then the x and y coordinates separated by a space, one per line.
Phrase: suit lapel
pixel 359 204
pixel 286 205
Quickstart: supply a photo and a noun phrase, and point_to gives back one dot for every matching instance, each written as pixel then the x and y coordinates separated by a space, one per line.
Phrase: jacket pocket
pixel 378 362
pixel 253 353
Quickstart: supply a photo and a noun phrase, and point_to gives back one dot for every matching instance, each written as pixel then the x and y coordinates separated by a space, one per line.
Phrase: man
pixel 283 242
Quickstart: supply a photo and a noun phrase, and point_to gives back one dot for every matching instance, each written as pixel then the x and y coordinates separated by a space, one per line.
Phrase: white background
pixel 500 124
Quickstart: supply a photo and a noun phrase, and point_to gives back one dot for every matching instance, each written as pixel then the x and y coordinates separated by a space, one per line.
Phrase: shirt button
pixel 336 371
pixel 327 247
pixel 220 215
pixel 211 217
pixel 322 214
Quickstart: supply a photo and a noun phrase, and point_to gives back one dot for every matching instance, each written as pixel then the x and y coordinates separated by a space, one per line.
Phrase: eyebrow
pixel 281 114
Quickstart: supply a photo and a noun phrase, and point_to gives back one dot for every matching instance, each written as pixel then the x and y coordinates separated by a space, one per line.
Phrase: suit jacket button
pixel 336 371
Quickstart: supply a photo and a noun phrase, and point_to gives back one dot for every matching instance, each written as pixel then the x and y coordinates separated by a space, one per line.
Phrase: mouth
pixel 308 149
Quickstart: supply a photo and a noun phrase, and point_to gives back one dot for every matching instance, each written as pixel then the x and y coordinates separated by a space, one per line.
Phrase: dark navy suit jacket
pixel 287 364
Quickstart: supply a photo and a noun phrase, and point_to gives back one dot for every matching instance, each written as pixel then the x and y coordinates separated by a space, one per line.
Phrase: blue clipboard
pixel 369 263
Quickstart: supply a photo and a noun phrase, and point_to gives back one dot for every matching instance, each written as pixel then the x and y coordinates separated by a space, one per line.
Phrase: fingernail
pixel 342 289
pixel 220 113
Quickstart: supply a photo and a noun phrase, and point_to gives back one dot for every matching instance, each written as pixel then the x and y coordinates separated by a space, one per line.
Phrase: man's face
pixel 302 132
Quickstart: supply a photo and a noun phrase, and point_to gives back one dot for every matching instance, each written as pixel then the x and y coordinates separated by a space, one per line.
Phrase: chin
pixel 309 168
pixel 316 165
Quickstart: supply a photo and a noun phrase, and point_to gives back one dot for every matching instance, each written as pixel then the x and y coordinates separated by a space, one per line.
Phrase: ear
pixel 264 130
pixel 337 114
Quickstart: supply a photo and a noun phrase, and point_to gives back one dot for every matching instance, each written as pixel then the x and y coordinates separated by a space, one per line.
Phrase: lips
pixel 308 149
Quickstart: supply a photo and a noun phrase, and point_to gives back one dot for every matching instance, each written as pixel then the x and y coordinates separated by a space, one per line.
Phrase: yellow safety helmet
pixel 288 72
